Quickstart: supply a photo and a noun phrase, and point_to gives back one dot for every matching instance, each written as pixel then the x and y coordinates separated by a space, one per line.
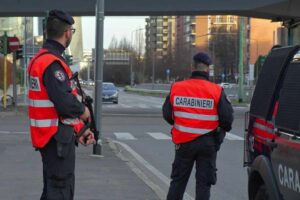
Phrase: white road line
pixel 124 136
pixel 142 106
pixel 5 132
pixel 21 132
pixel 155 171
pixel 125 106
pixel 157 106
pixel 159 136
pixel 14 132
pixel 230 136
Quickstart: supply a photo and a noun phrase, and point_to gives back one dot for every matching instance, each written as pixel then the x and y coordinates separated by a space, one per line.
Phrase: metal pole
pixel 241 61
pixel 14 80
pixel 4 82
pixel 153 68
pixel 131 58
pixel 88 72
pixel 25 59
pixel 131 63
pixel 99 72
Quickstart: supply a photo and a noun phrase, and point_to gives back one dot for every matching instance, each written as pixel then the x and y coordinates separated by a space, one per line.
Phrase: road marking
pixel 158 106
pixel 230 136
pixel 147 165
pixel 14 132
pixel 124 136
pixel 142 106
pixel 125 106
pixel 21 132
pixel 5 132
pixel 159 136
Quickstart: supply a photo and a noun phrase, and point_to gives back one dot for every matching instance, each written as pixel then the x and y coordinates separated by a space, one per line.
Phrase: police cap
pixel 61 15
pixel 202 58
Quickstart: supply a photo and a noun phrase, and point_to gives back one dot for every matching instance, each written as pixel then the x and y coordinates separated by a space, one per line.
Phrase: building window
pixel 218 18
pixel 187 18
pixel 187 39
pixel 230 19
pixel 187 29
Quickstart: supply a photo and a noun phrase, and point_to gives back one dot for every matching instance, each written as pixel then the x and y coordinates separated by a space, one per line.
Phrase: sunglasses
pixel 72 29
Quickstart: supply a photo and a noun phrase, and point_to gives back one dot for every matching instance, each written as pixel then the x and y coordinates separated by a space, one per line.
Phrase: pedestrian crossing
pixel 128 106
pixel 165 136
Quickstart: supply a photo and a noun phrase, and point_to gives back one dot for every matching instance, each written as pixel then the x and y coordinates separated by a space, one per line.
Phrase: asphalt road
pixel 136 125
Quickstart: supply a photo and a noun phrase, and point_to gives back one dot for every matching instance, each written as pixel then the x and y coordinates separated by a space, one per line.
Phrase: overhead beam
pixel 271 9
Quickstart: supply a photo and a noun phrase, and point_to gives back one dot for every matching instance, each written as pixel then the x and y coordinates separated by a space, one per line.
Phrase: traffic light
pixel 19 53
pixel 69 59
pixel 3 45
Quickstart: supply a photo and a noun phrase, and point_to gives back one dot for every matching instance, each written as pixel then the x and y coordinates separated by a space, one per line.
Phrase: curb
pixel 117 149
pixel 145 170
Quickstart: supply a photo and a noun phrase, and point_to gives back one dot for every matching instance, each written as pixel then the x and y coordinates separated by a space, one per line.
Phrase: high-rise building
pixel 160 44
pixel 193 33
pixel 76 46
pixel 160 35
pixel 263 34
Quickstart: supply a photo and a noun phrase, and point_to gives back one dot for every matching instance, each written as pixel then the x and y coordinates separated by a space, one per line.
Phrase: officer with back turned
pixel 55 113
pixel 200 114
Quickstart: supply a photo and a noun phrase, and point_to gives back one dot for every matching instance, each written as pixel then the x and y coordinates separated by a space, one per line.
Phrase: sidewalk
pixel 105 178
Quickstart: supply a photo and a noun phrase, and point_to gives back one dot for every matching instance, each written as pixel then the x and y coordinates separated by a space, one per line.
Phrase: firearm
pixel 88 102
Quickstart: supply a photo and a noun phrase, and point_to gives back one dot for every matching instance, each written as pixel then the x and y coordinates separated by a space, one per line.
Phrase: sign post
pixel 4 51
pixel 168 75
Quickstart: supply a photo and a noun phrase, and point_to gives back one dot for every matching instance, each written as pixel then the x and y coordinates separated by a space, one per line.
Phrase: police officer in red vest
pixel 200 114
pixel 55 113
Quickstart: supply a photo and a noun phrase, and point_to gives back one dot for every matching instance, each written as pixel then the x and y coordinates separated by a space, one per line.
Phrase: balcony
pixel 193 21
pixel 193 32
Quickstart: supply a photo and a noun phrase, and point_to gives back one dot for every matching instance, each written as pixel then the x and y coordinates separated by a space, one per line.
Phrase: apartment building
pixel 160 35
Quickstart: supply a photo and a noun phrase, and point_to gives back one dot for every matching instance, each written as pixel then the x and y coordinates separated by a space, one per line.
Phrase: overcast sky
pixel 113 26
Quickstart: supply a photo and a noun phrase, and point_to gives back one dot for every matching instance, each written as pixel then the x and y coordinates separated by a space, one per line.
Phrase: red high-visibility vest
pixel 42 113
pixel 194 103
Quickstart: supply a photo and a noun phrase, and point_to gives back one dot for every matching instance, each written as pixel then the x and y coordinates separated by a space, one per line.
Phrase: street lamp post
pixel 132 56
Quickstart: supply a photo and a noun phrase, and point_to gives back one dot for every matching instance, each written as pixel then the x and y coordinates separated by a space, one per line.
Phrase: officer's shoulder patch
pixel 60 75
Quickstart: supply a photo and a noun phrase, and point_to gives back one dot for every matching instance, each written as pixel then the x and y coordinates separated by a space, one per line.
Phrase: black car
pixel 109 93
pixel 272 146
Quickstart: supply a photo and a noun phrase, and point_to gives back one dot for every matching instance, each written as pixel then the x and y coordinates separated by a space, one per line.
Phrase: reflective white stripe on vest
pixel 196 116
pixel 262 127
pixel 191 130
pixel 70 121
pixel 43 123
pixel 40 103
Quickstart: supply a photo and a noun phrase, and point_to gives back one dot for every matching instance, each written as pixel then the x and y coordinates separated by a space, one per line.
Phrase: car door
pixel 285 159
pixel 285 154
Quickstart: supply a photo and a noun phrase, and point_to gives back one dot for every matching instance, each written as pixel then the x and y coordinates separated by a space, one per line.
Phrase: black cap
pixel 61 15
pixel 202 58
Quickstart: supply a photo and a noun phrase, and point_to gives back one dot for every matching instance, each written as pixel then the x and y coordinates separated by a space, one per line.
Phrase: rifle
pixel 88 102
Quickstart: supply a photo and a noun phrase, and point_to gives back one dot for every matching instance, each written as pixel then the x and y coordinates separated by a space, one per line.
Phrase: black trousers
pixel 203 152
pixel 58 158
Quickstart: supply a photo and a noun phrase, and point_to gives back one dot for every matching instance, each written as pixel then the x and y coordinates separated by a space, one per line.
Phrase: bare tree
pixel 224 48
pixel 114 44
pixel 125 44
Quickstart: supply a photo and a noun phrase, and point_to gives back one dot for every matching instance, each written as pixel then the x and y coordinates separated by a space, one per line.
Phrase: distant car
pixel 225 85
pixel 109 93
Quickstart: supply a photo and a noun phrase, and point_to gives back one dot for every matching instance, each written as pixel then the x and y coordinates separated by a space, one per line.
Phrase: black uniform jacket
pixel 225 111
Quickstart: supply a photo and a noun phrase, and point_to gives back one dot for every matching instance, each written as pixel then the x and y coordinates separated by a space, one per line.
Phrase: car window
pixel 288 114
pixel 108 87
